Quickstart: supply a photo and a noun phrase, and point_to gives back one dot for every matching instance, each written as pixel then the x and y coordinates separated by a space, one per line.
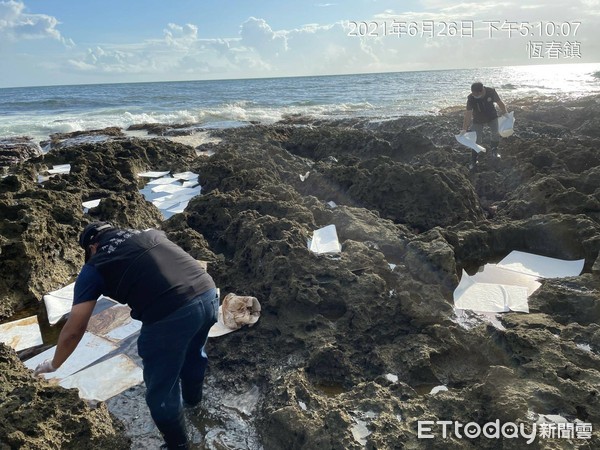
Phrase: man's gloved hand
pixel 45 367
pixel 463 131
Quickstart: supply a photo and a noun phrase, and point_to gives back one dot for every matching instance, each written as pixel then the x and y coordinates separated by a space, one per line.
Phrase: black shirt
pixel 144 269
pixel 483 108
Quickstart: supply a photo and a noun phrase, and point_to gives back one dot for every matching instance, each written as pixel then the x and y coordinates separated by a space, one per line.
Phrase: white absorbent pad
pixel 21 334
pixel 469 139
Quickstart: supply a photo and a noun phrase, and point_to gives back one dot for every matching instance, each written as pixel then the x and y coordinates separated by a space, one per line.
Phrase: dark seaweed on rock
pixel 333 327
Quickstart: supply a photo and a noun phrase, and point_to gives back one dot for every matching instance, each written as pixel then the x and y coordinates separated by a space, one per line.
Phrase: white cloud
pixel 257 33
pixel 179 36
pixel 16 24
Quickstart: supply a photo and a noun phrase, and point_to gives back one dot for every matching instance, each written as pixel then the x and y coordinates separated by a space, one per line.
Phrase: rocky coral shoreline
pixel 349 346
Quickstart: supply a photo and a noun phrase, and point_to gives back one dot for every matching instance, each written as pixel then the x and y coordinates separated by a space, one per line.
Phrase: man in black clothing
pixel 481 110
pixel 171 294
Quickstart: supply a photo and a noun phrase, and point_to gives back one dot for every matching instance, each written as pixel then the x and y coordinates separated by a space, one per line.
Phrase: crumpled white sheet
pixel 507 285
pixel 469 139
pixel 235 312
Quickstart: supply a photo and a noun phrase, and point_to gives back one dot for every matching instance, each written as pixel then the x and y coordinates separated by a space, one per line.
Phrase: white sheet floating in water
pixel 168 188
pixel 90 349
pixel 151 174
pixel 21 334
pixel 163 180
pixel 106 379
pixel 541 266
pixel 58 303
pixel 186 176
pixel 489 297
pixel 470 140
pixel 325 240
pixel 171 194
pixel 497 275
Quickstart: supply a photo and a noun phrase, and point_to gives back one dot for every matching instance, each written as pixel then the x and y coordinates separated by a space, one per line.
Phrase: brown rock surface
pixel 334 328
pixel 37 415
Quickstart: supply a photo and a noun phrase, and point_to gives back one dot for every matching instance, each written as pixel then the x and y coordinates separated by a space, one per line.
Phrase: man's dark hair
pixel 477 86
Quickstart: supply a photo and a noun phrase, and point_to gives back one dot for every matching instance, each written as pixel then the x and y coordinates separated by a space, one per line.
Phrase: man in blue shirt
pixel 171 294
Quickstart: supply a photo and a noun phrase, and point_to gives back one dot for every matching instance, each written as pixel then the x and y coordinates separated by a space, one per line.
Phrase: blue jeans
pixel 173 349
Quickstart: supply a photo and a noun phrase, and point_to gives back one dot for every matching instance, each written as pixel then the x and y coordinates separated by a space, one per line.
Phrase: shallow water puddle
pixel 225 420
pixel 331 390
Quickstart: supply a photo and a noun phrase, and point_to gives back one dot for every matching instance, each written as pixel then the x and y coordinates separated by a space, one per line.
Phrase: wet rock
pixel 16 150
pixel 36 414
pixel 41 222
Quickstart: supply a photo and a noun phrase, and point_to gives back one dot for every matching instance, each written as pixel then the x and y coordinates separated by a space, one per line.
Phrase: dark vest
pixel 483 108
pixel 147 271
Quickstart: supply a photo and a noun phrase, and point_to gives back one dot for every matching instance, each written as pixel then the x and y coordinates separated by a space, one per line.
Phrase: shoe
pixel 174 434
pixel 191 393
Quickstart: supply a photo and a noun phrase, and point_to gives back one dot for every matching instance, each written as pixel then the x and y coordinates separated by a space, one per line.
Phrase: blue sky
pixel 74 41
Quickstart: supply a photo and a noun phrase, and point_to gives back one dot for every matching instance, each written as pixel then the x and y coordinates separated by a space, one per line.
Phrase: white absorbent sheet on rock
pixel 90 349
pixel 105 379
pixel 469 139
pixel 162 180
pixel 541 266
pixel 114 323
pixel 172 194
pixel 186 176
pixel 90 204
pixel 489 297
pixel 21 334
pixel 153 174
pixel 171 188
pixel 58 303
pixel 491 273
pixel 60 168
pixel 325 240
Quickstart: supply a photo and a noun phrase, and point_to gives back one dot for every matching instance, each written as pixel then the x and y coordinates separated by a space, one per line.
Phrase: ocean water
pixel 40 111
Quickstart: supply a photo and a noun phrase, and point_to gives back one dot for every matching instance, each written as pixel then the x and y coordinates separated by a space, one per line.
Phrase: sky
pixel 113 41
